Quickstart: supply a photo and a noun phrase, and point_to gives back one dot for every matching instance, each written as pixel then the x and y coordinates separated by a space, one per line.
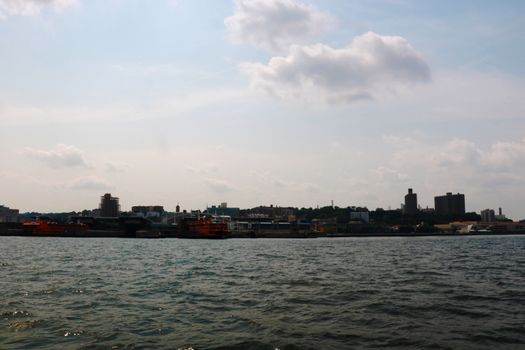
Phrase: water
pixel 354 293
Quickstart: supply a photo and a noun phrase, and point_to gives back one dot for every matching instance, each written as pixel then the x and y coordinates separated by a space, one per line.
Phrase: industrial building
pixel 148 211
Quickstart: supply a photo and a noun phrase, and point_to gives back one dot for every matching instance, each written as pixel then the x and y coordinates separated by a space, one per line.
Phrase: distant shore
pixel 244 235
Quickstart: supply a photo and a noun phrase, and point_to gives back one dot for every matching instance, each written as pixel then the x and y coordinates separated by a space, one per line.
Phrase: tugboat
pixel 203 227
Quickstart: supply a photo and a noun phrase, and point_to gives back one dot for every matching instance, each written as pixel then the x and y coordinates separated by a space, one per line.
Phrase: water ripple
pixel 395 293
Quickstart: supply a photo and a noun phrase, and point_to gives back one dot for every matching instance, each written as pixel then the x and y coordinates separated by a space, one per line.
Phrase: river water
pixel 348 293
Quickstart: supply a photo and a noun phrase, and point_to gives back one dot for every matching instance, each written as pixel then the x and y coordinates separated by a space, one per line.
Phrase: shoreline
pixel 266 235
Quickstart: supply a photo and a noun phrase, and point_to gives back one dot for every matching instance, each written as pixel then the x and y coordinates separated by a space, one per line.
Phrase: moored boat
pixel 204 227
pixel 45 228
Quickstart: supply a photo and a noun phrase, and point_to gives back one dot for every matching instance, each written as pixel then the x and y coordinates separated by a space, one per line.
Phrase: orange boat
pixel 207 227
pixel 44 228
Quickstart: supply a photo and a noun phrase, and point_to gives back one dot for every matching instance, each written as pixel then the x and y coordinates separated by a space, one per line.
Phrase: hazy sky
pixel 258 102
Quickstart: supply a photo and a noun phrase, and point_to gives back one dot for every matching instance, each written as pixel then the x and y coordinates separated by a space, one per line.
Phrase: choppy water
pixel 355 293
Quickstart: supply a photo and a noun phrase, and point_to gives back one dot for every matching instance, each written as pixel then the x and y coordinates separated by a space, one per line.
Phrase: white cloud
pixel 31 7
pixel 274 25
pixel 60 157
pixel 460 95
pixel 460 161
pixel 219 186
pixel 371 65
pixel 505 154
pixel 456 152
pixel 115 167
pixel 489 175
pixel 89 183
pixel 23 111
pixel 388 175
pixel 461 153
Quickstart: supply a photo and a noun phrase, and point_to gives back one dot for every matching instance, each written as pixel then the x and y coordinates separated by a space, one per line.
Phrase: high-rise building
pixel 410 206
pixel 109 206
pixel 450 204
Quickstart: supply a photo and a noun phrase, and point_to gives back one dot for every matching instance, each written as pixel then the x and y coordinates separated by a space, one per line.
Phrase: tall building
pixel 450 204
pixel 488 215
pixel 410 206
pixel 109 206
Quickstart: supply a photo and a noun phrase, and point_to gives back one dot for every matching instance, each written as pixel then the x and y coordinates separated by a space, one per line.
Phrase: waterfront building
pixel 500 216
pixel 148 211
pixel 450 204
pixel 269 212
pixel 410 207
pixel 109 206
pixel 363 216
pixel 8 215
pixel 488 215
pixel 223 210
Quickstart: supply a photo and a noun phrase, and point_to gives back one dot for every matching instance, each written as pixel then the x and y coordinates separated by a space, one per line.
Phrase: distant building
pixel 488 215
pixel 500 216
pixel 148 211
pixel 410 206
pixel 109 206
pixel 223 209
pixel 360 216
pixel 270 212
pixel 8 214
pixel 450 204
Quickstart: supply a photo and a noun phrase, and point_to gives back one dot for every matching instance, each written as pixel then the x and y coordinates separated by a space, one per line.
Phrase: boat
pixel 204 227
pixel 47 228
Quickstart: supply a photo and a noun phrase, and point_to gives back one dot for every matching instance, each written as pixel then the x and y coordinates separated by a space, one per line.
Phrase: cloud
pixel 388 175
pixel 89 183
pixel 460 161
pixel 457 152
pixel 505 154
pixel 274 25
pixel 203 169
pixel 115 167
pixel 371 65
pixel 219 186
pixel 31 7
pixel 489 175
pixel 460 94
pixel 500 156
pixel 63 156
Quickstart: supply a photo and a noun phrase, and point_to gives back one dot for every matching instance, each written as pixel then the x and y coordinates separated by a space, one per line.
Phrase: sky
pixel 259 102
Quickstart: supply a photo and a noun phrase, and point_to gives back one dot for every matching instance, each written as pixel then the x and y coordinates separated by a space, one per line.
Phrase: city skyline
pixel 452 205
pixel 197 103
